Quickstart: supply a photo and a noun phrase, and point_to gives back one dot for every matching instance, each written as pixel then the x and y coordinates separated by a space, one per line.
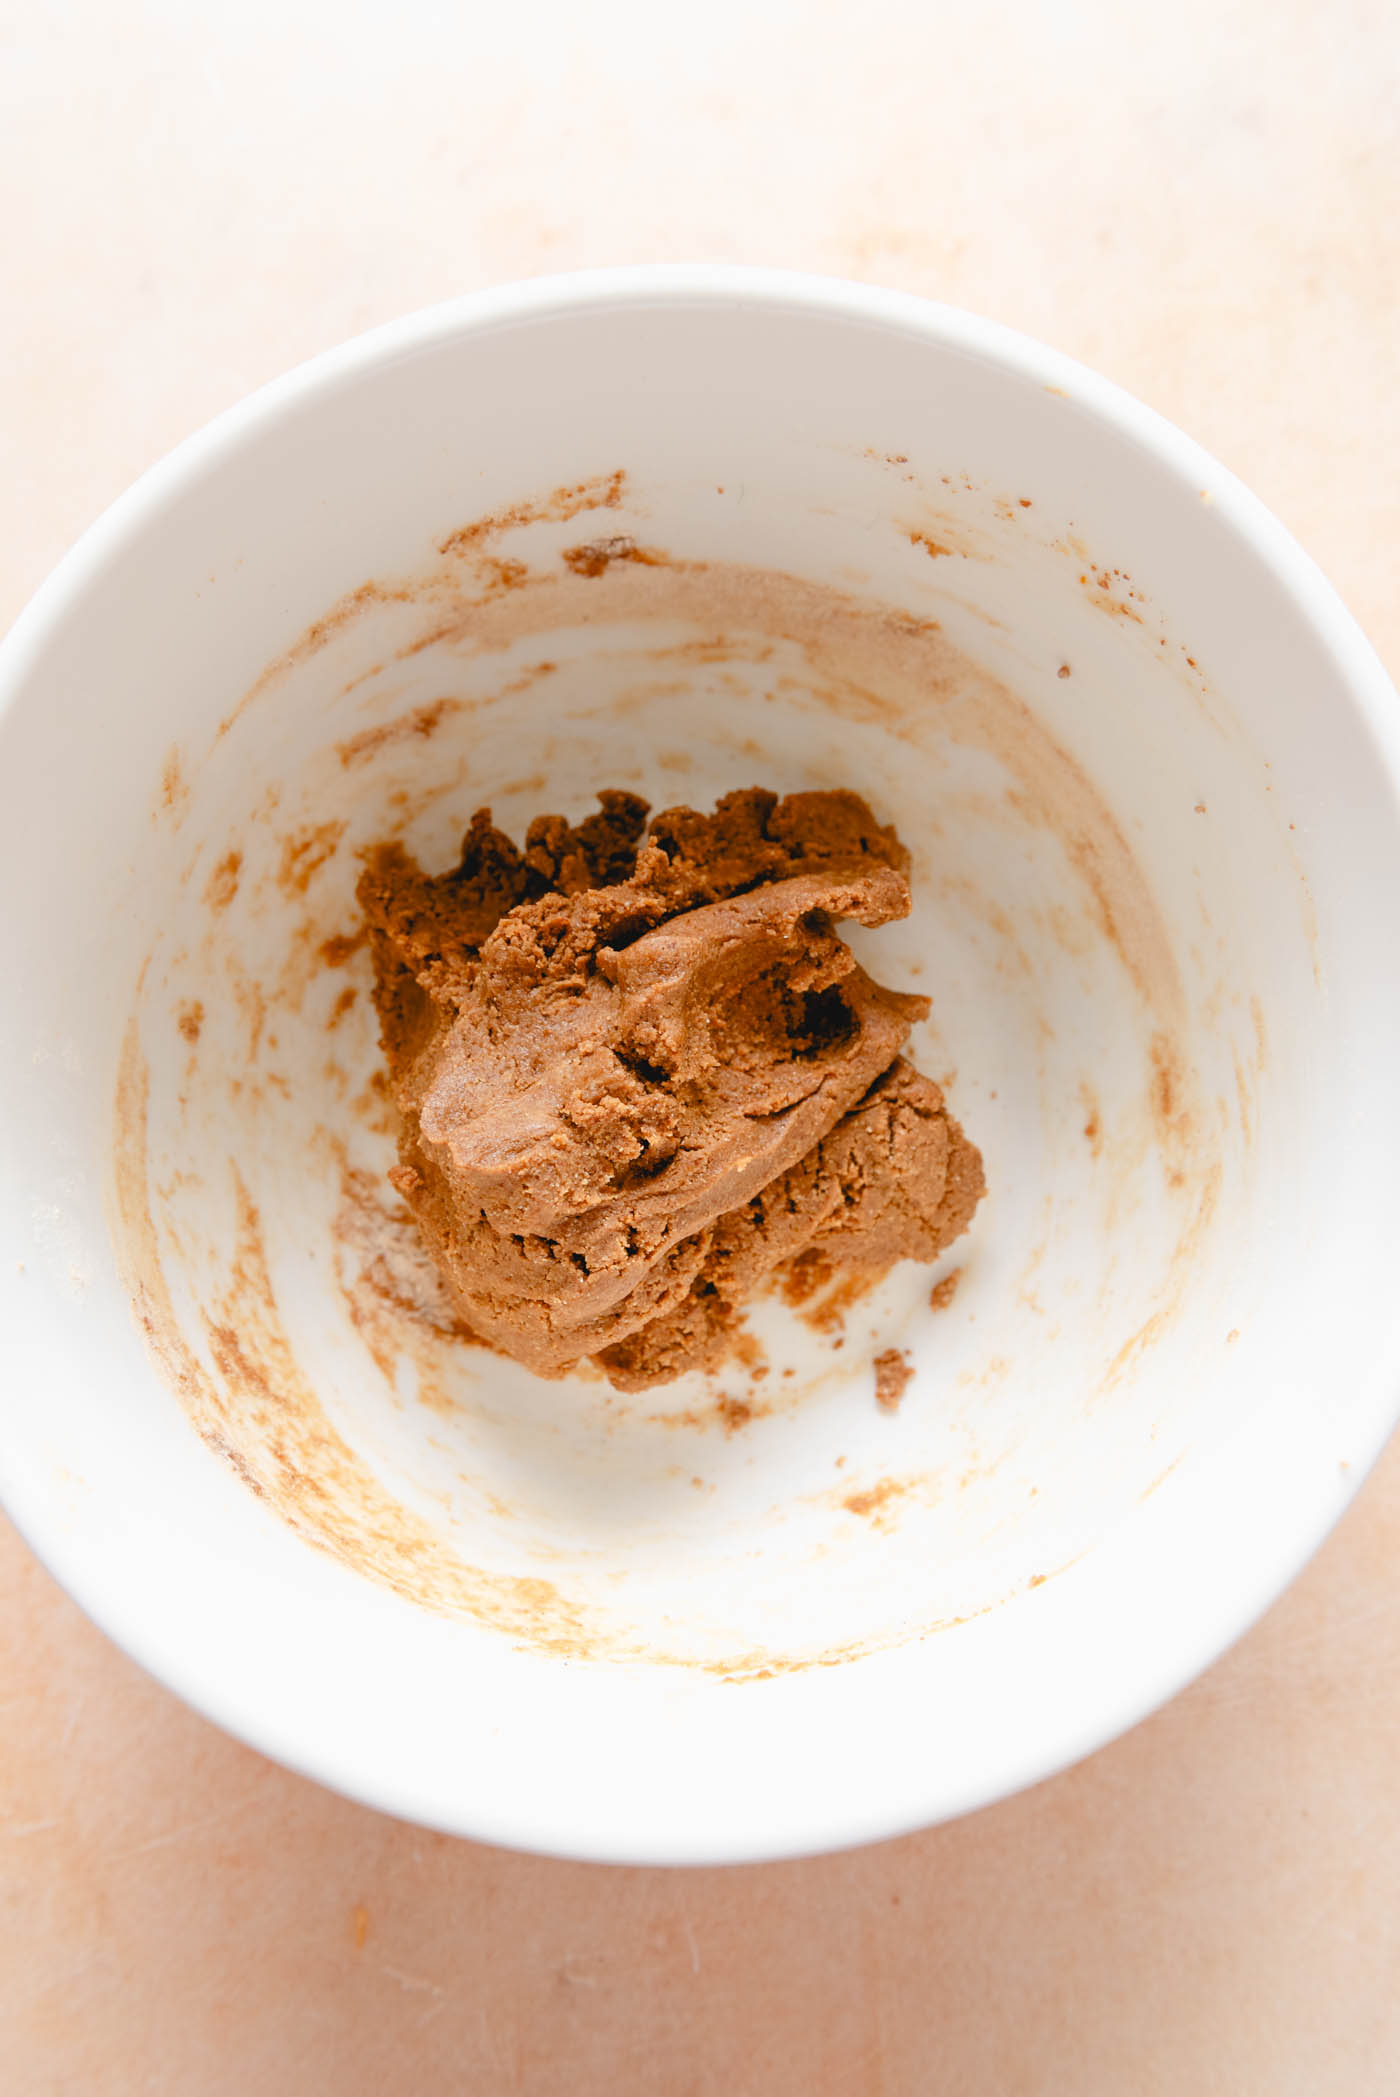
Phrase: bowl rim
pixel 1313 1506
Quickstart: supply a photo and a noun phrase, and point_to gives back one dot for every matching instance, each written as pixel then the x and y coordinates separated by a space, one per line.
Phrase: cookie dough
pixel 639 1070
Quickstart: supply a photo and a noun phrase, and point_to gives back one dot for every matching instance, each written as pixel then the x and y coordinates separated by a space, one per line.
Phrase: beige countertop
pixel 1202 203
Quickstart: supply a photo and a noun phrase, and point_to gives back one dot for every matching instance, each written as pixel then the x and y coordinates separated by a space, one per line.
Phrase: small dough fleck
pixel 892 1373
pixel 943 1292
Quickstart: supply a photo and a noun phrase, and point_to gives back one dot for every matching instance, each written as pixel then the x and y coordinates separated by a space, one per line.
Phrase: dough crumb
pixel 892 1373
pixel 943 1292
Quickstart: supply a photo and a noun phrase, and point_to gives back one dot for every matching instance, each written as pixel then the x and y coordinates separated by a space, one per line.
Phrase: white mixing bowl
pixel 1148 770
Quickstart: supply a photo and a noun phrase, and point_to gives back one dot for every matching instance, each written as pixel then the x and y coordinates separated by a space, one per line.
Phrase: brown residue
pixel 1136 1345
pixel 304 853
pixel 598 556
pixel 829 1315
pixel 340 616
pixel 1087 856
pixel 747 1352
pixel 602 492
pixel 190 1019
pixel 336 950
pixel 421 722
pixel 445 630
pixel 727 1412
pixel 359 1925
pixel 390 1287
pixel 932 547
pixel 174 793
pixel 876 1498
pixel 257 1411
pixel 1116 607
pixel 943 1292
pixel 342 1005
pixel 504 574
pixel 252 1003
pixel 1093 1120
pixel 1063 670
pixel 1165 1092
pixel 1185 1259
pixel 222 885
pixel 342 613
pixel 813 1285
pixel 714 648
pixel 1244 1091
pixel 893 1371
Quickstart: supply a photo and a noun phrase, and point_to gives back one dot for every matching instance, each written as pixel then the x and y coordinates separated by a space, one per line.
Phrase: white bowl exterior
pixel 801 401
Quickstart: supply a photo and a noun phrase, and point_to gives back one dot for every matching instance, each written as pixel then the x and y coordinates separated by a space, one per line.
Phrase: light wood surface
pixel 1203 202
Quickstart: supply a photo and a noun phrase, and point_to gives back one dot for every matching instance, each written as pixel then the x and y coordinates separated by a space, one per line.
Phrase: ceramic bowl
pixel 686 530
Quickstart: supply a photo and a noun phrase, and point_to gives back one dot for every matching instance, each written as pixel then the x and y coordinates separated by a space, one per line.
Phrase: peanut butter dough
pixel 638 1071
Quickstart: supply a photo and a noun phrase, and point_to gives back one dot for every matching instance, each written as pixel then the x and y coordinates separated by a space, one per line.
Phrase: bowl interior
pixel 1148 818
